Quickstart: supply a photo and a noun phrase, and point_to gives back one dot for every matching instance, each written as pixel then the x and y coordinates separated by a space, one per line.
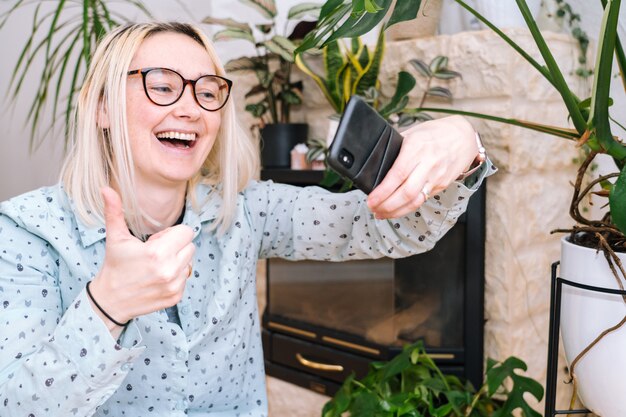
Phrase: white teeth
pixel 176 135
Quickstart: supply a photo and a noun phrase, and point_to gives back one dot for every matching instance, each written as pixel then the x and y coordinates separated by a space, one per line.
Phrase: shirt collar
pixel 208 198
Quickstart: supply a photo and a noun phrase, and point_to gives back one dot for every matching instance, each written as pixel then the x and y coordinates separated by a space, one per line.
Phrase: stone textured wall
pixel 526 199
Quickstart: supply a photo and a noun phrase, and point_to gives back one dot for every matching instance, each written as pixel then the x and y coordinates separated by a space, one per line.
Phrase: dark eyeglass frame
pixel 144 72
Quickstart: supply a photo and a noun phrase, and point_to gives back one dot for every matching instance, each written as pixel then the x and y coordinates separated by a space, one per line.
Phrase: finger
pixel 173 239
pixel 408 194
pixel 115 223
pixel 185 255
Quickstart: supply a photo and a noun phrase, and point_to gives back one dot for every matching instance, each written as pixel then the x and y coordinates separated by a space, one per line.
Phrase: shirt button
pixel 126 366
pixel 184 310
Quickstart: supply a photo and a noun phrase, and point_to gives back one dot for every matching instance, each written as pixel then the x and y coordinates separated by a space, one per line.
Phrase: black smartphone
pixel 365 145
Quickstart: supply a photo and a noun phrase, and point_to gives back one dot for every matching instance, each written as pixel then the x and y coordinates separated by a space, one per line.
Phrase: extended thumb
pixel 113 213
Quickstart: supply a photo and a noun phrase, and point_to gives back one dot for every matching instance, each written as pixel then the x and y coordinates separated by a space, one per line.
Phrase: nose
pixel 187 106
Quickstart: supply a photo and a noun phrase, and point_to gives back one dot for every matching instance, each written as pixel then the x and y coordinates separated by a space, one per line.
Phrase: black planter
pixel 277 141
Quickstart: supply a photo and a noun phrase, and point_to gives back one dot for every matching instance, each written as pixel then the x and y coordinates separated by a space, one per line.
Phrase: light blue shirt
pixel 57 358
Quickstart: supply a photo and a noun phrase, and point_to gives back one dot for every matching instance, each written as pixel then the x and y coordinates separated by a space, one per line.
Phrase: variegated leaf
pixel 230 34
pixel 266 7
pixel 228 22
pixel 302 10
pixel 281 46
pixel 242 64
pixel 438 63
pixel 421 67
pixel 440 92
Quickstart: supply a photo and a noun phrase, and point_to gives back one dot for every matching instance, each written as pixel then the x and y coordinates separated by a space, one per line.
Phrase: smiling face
pixel 169 143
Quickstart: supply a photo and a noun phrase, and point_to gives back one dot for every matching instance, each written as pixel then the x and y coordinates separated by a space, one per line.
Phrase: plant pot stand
pixel 556 294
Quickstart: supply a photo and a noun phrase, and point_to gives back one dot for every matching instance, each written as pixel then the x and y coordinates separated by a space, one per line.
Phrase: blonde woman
pixel 129 288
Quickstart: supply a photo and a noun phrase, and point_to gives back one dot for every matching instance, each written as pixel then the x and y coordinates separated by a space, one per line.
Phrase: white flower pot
pixel 505 13
pixel 584 316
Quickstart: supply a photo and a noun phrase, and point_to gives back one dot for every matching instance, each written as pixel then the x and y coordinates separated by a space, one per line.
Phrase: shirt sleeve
pixel 312 223
pixel 56 356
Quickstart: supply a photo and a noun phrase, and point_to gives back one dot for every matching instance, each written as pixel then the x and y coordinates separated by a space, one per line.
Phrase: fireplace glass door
pixel 384 302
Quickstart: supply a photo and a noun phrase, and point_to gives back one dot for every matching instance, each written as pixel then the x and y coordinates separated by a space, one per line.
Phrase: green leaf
pixel 371 6
pixel 404 10
pixel 266 7
pixel 569 99
pixel 599 116
pixel 230 34
pixel 281 46
pixel 617 201
pixel 359 25
pixel 496 376
pixel 400 99
pixel 302 10
pixel 256 109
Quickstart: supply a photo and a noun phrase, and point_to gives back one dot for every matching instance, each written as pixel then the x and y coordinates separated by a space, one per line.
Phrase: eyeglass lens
pixel 165 87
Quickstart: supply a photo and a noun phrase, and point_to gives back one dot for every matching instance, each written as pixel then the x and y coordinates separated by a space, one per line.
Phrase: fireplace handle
pixel 319 366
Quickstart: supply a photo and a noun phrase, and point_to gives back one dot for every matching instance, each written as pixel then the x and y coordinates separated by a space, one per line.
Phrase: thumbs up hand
pixel 140 277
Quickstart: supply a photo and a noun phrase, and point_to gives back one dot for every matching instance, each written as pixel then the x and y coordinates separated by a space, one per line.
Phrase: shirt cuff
pixel 85 340
pixel 473 181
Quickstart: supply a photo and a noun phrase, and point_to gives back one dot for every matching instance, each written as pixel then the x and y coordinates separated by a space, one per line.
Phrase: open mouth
pixel 177 140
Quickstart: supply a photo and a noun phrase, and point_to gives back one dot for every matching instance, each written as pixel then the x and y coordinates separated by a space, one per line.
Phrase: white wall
pixel 21 171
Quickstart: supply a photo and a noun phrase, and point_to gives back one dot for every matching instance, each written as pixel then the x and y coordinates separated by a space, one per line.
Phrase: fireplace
pixel 325 320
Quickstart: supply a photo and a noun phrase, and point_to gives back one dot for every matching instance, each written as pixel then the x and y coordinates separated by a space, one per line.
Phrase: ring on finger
pixel 426 191
pixel 189 270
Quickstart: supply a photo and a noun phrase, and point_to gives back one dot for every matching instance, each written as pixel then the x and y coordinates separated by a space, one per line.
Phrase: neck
pixel 163 204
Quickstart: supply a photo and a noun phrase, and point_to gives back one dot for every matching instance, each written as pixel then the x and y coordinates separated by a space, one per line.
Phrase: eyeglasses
pixel 165 87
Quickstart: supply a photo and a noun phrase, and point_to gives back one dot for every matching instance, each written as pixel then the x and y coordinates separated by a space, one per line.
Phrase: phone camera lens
pixel 346 158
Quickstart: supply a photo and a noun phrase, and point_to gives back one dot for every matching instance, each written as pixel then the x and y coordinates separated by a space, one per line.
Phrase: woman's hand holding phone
pixel 432 156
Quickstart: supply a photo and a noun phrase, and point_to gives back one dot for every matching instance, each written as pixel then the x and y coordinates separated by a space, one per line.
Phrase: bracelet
pixel 478 161
pixel 102 310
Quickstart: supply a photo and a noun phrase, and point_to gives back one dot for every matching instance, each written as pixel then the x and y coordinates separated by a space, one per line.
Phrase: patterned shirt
pixel 57 357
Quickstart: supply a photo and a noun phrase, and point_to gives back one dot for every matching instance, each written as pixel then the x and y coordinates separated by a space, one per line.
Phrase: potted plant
pixel 592 327
pixel 274 94
pixel 63 41
pixel 411 385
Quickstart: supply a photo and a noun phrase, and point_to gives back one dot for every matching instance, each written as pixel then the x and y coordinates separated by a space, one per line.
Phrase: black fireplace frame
pixel 282 337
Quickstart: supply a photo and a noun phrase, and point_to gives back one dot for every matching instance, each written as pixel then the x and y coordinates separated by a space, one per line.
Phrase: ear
pixel 102 117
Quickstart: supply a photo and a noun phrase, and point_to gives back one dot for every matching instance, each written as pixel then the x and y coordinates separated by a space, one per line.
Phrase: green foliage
pixel 63 36
pixel 411 385
pixel 591 121
pixel 275 93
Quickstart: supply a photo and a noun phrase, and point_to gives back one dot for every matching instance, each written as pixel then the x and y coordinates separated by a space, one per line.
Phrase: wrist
pixel 98 304
pixel 478 161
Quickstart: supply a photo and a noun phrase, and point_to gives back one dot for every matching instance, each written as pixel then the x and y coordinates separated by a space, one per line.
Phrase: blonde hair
pixel 100 156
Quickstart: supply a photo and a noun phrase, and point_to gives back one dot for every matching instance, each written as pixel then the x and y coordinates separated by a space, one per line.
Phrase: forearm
pixel 69 373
